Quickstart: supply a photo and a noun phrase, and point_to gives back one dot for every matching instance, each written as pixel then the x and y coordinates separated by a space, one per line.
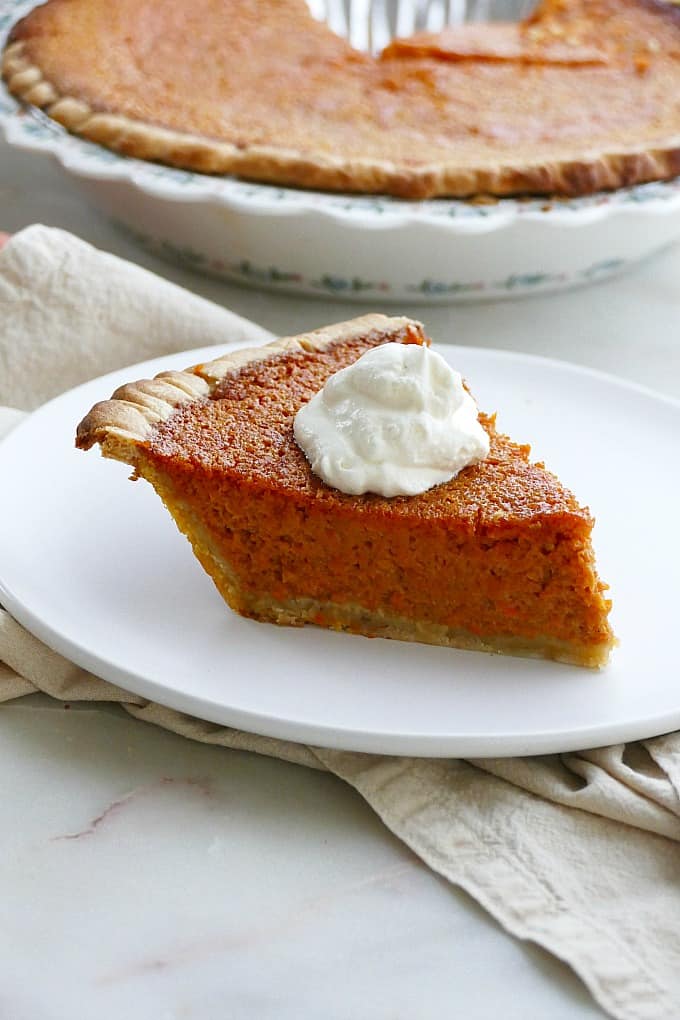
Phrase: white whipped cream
pixel 396 422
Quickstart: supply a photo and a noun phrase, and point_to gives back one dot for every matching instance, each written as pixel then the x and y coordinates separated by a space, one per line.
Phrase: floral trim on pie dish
pixel 332 284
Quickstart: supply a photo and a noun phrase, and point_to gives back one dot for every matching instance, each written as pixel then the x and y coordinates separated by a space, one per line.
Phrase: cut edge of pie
pixel 123 425
pixel 594 171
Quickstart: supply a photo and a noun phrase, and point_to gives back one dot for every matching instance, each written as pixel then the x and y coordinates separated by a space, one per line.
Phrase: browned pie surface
pixel 584 95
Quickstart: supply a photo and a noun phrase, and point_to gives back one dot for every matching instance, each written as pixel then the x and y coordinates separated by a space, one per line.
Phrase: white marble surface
pixel 144 876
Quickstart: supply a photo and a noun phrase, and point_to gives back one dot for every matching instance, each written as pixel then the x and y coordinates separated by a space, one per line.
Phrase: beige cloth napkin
pixel 69 313
pixel 578 852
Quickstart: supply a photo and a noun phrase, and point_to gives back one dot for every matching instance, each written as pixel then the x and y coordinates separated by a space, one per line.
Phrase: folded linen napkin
pixel 578 852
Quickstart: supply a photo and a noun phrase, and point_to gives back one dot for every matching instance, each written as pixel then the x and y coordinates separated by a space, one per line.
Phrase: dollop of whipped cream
pixel 396 422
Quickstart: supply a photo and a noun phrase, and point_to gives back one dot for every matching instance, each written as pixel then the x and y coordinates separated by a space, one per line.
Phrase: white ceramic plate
pixel 357 247
pixel 94 566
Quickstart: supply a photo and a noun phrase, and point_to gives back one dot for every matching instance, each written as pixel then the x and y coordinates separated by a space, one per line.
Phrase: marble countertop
pixel 145 876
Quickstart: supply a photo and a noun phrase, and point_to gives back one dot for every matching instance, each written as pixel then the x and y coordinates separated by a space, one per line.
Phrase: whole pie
pixel 498 559
pixel 581 96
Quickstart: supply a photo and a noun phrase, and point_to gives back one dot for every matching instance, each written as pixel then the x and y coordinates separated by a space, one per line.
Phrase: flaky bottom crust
pixel 354 619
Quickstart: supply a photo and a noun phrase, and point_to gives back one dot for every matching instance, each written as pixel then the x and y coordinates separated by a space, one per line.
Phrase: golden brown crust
pixel 120 424
pixel 601 169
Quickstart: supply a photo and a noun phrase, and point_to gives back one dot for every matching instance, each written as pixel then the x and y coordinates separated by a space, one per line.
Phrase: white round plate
pixel 94 566
pixel 358 247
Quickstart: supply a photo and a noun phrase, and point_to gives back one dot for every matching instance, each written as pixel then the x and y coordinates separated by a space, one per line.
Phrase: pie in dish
pixel 499 559
pixel 583 95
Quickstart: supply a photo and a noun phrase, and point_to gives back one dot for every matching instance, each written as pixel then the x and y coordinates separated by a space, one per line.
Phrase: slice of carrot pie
pixel 445 532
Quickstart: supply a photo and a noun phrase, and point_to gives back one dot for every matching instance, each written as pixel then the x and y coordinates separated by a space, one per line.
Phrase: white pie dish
pixel 366 248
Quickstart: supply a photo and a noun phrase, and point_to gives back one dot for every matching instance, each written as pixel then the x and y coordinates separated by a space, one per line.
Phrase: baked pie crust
pixel 499 559
pixel 580 97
